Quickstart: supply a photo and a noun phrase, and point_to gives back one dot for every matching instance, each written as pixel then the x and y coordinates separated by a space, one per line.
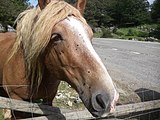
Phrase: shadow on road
pixel 148 95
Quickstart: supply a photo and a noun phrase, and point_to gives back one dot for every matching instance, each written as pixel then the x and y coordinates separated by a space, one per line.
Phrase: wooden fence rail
pixel 119 111
pixel 49 112
pixel 34 108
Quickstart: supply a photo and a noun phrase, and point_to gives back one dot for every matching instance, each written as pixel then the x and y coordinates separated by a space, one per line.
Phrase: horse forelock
pixel 34 29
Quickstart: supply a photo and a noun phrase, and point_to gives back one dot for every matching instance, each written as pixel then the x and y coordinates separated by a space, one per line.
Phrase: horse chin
pixel 100 115
pixel 104 115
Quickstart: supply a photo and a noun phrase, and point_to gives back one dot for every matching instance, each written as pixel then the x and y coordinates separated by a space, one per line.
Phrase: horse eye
pixel 56 38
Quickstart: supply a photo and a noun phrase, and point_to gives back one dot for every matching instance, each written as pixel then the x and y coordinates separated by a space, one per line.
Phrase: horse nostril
pixel 100 101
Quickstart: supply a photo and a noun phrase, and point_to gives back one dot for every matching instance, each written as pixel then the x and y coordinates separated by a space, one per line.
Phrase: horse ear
pixel 43 3
pixel 80 5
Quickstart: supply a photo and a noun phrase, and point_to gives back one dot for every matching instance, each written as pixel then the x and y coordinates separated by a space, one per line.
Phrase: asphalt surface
pixel 134 63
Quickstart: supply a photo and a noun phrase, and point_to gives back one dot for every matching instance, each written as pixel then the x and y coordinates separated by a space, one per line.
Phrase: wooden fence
pixel 48 112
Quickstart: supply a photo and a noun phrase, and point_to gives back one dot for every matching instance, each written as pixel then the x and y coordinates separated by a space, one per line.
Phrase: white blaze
pixel 77 28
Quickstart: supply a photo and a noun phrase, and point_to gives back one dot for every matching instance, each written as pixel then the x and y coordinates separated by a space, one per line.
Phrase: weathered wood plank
pixel 53 111
pixel 136 107
pixel 29 107
pixel 50 117
pixel 120 110
pixel 78 115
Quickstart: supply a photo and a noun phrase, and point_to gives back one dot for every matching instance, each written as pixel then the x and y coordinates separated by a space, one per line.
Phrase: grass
pixel 1 116
pixel 98 34
pixel 130 33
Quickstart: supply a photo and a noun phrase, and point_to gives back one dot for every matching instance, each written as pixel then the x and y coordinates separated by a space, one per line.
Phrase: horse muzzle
pixel 102 105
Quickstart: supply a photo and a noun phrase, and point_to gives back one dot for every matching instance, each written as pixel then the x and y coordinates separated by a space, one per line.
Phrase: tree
pixel 132 12
pixel 156 32
pixel 9 9
pixel 155 11
pixel 97 12
pixel 118 12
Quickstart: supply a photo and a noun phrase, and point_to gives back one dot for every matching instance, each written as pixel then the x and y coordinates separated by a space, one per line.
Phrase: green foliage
pixel 98 34
pixel 142 34
pixel 130 32
pixel 155 11
pixel 97 10
pixel 138 33
pixel 106 33
pixel 1 116
pixel 119 33
pixel 123 31
pixel 156 33
pixel 93 23
pixel 118 12
pixel 131 12
pixel 9 9
pixel 115 29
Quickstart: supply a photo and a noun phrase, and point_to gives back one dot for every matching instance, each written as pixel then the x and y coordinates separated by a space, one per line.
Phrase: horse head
pixel 60 31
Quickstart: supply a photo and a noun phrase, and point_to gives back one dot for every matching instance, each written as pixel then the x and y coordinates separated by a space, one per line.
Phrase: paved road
pixel 132 62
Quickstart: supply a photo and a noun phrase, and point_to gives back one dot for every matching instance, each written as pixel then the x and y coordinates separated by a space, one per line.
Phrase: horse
pixel 53 43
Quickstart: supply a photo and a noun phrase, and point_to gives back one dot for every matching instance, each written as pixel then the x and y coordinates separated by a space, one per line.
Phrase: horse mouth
pixel 103 112
pixel 98 105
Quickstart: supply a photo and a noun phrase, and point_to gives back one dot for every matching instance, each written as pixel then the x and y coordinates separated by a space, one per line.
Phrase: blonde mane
pixel 34 29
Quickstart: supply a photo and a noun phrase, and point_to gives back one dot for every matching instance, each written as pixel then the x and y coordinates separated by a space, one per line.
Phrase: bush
pixel 130 32
pixel 106 33
pixel 142 34
pixel 155 33
pixel 93 23
pixel 119 33
pixel 115 29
